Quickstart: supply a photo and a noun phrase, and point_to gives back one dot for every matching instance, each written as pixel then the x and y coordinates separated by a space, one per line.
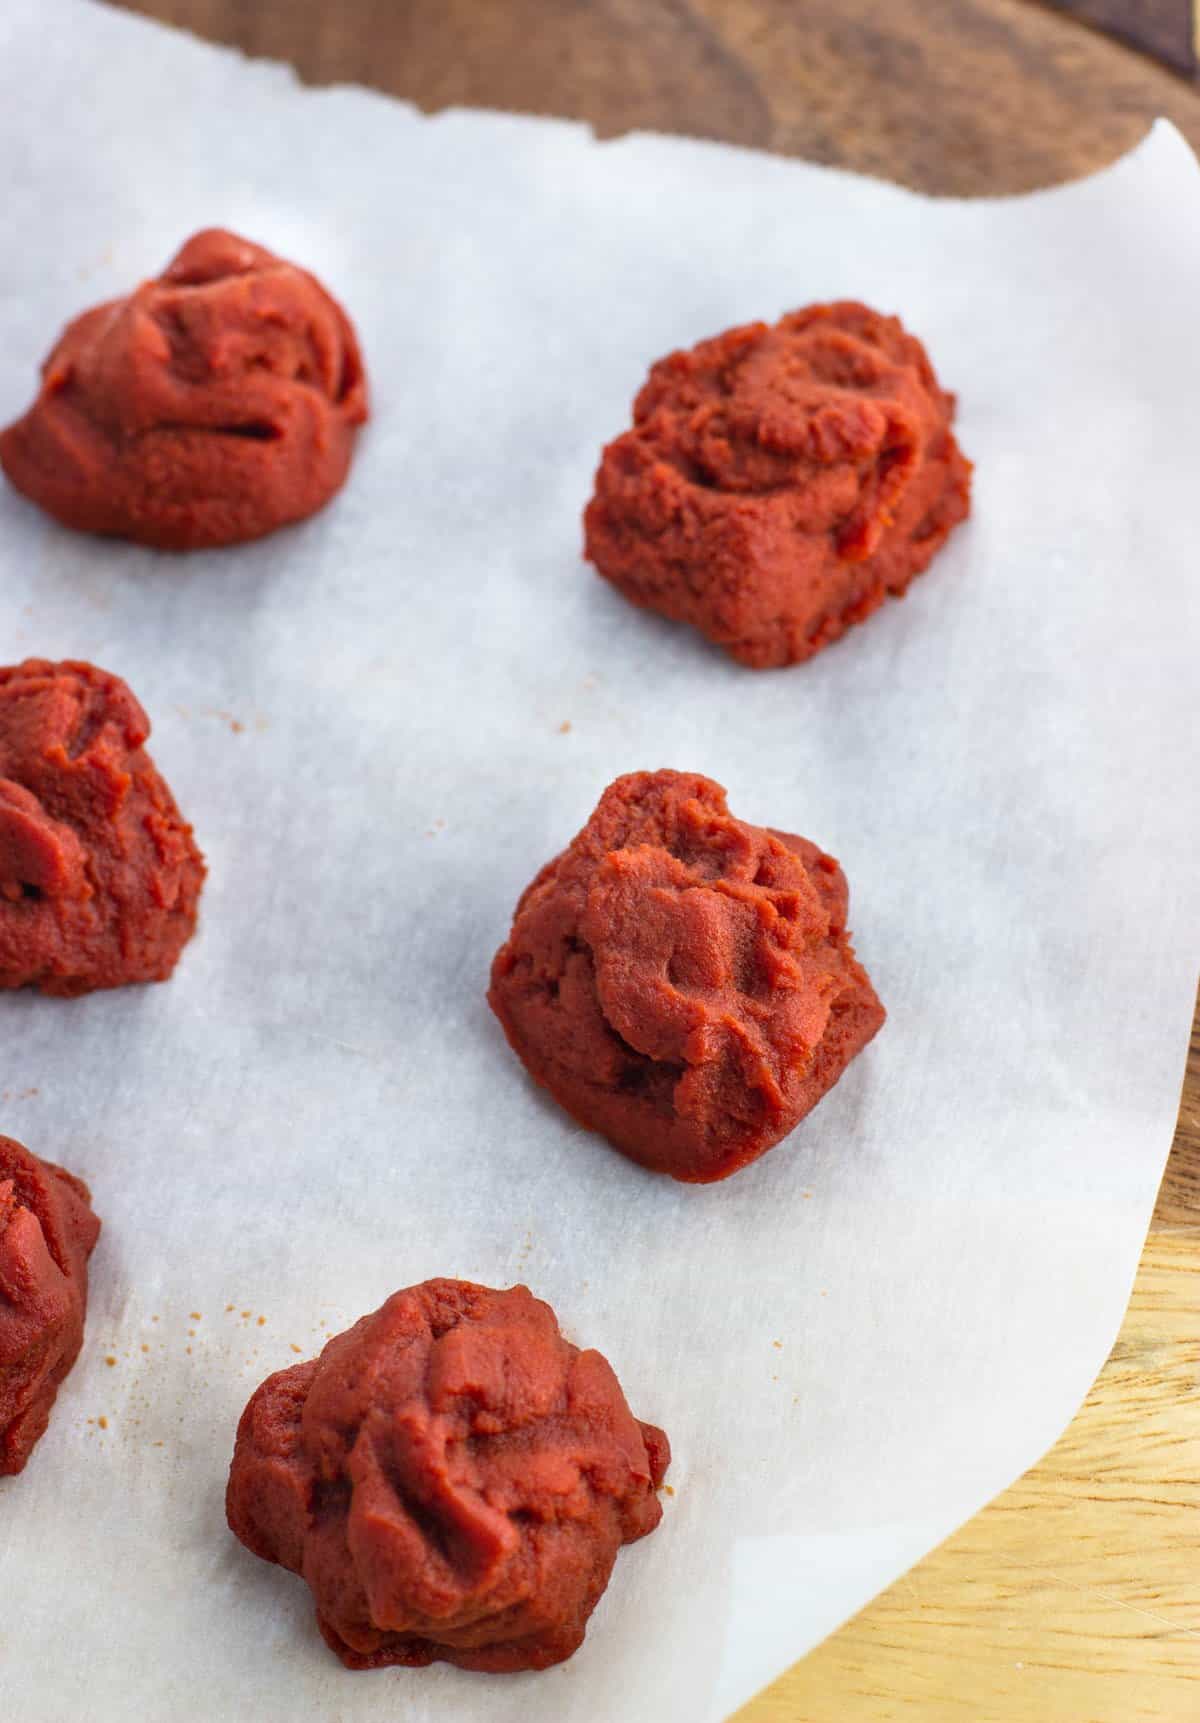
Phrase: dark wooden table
pixel 947 95
pixel 1074 1597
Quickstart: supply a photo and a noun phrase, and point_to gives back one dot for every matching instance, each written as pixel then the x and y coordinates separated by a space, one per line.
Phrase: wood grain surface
pixel 1167 28
pixel 959 96
pixel 1075 1597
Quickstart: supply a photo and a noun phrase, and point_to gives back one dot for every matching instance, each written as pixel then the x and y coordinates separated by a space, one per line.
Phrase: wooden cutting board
pixel 1074 1598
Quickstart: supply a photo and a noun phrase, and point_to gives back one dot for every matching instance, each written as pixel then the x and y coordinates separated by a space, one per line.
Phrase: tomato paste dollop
pixel 215 403
pixel 47 1233
pixel 451 1477
pixel 683 982
pixel 100 875
pixel 779 481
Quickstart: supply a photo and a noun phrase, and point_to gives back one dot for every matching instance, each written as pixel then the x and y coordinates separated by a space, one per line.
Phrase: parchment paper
pixel 856 1342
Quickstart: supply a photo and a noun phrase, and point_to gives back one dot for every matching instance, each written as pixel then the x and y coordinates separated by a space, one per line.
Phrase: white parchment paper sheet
pixel 856 1342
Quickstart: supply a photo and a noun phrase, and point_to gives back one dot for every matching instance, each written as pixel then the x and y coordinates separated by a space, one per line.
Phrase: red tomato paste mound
pixel 779 481
pixel 214 404
pixel 99 874
pixel 47 1233
pixel 452 1479
pixel 684 982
